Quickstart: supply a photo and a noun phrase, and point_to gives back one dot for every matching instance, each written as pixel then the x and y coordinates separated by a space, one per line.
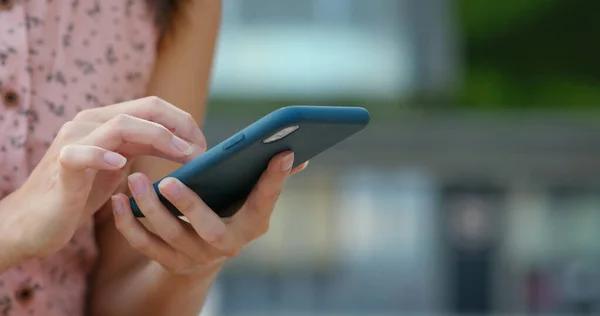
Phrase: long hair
pixel 165 10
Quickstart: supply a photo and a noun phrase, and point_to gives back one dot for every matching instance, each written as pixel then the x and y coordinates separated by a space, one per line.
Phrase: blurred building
pixel 334 49
pixel 440 214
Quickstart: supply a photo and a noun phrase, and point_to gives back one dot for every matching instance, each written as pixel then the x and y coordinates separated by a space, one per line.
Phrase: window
pixel 314 48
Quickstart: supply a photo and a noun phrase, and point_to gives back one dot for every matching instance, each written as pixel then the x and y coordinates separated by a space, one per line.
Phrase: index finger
pixel 152 109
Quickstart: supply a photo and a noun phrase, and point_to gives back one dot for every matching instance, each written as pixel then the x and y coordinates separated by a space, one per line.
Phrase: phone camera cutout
pixel 281 134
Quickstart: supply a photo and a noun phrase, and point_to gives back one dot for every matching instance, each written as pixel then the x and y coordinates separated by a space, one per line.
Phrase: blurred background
pixel 476 188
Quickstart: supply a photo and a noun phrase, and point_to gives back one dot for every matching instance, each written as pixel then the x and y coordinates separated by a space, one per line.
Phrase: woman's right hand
pixel 85 164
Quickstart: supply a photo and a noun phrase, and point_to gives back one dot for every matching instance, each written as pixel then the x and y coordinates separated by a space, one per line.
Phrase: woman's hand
pixel 207 240
pixel 86 163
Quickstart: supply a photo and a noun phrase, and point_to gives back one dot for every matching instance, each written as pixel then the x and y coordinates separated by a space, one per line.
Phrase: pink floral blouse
pixel 58 57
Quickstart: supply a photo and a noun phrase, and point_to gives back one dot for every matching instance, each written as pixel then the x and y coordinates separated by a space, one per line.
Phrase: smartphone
pixel 224 175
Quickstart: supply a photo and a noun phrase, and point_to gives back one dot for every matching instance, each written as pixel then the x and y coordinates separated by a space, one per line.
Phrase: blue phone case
pixel 225 175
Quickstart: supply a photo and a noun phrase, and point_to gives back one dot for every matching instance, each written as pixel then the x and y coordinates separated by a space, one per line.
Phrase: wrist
pixel 11 244
pixel 10 257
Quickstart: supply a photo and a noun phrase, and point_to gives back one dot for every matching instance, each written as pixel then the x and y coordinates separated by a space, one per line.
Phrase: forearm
pixel 150 290
pixel 182 71
pixel 185 56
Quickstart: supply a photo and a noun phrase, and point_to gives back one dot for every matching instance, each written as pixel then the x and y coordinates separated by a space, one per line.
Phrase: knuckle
pixel 156 130
pixel 263 202
pixel 202 259
pixel 140 242
pixel 145 206
pixel 181 266
pixel 171 269
pixel 232 253
pixel 215 236
pixel 154 101
pixel 156 104
pixel 64 156
pixel 185 205
pixel 190 119
pixel 67 129
pixel 276 195
pixel 173 234
pixel 267 193
pixel 262 229
pixel 120 120
pixel 120 224
pixel 162 132
pixel 83 115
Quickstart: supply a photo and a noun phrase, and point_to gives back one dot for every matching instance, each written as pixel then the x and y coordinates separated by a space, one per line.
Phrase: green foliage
pixel 530 54
pixel 485 18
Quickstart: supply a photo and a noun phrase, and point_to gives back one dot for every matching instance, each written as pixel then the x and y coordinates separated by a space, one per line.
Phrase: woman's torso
pixel 58 57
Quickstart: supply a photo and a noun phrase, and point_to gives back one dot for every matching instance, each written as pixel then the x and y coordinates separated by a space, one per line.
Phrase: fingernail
pixel 182 146
pixel 114 159
pixel 117 205
pixel 170 187
pixel 287 162
pixel 136 184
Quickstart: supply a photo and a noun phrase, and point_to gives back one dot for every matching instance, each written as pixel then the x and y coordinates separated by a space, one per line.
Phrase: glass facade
pixel 322 48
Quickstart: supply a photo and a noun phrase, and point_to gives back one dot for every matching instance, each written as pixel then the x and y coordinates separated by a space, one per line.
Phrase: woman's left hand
pixel 207 240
